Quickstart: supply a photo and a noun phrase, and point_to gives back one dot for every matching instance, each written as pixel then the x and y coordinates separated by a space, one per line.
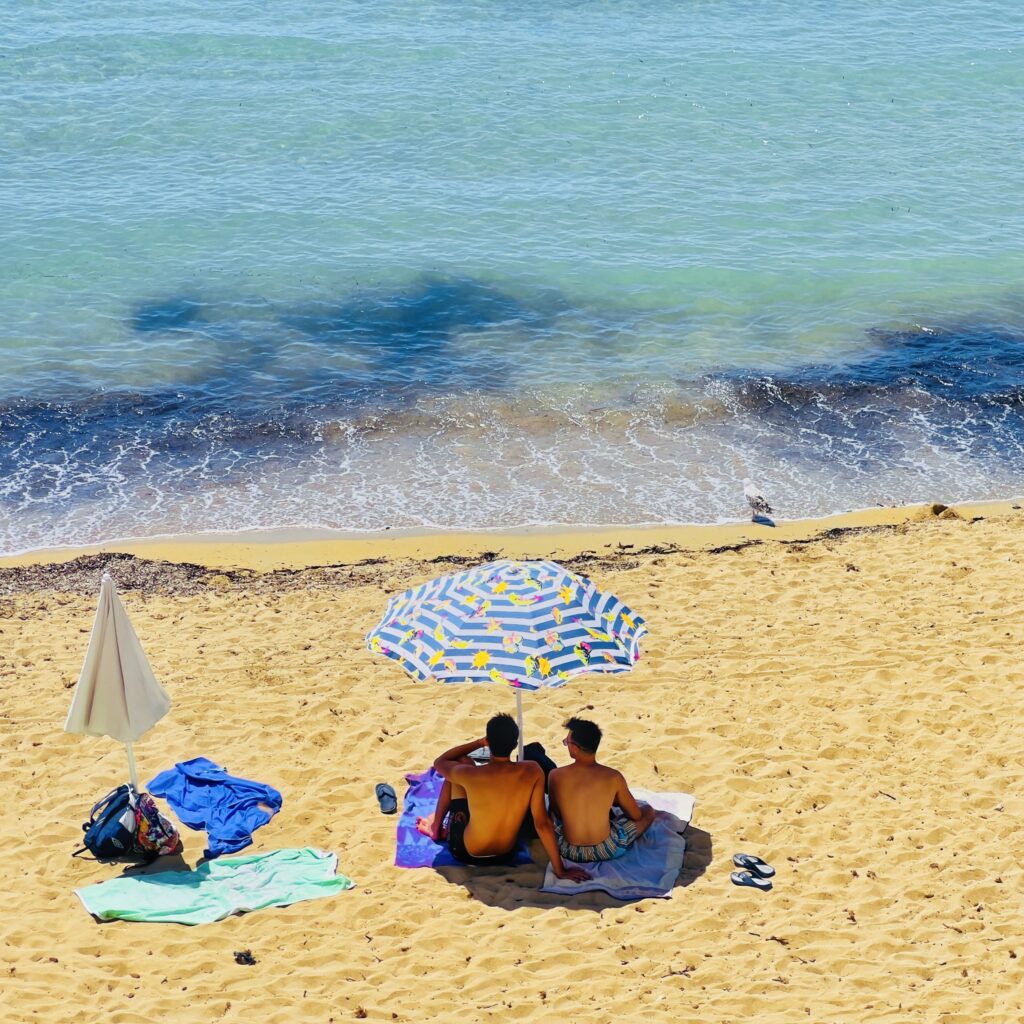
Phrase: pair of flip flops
pixel 387 798
pixel 755 873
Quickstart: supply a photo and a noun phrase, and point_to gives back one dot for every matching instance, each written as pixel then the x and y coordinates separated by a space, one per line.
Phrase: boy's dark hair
pixel 586 735
pixel 502 735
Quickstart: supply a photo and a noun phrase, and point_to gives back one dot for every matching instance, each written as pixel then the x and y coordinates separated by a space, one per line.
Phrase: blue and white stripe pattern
pixel 525 624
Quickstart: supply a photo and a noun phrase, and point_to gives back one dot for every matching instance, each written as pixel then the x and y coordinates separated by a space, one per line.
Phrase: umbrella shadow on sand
pixel 512 888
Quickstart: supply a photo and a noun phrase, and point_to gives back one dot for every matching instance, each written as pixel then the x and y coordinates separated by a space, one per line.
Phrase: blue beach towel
pixel 414 849
pixel 204 796
pixel 651 866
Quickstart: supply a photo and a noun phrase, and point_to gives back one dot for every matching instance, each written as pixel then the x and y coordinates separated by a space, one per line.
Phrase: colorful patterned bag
pixel 155 836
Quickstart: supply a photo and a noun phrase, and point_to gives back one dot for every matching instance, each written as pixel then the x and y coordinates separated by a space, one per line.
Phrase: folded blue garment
pixel 204 796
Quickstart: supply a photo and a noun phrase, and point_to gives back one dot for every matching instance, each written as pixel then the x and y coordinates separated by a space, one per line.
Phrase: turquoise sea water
pixel 363 265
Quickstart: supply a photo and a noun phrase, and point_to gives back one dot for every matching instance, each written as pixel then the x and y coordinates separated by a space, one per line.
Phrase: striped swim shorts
pixel 621 837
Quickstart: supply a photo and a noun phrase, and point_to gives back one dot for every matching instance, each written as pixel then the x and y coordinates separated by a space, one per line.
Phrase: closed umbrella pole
pixel 133 772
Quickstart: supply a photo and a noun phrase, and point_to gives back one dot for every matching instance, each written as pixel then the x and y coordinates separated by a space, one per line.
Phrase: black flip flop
pixel 387 798
pixel 754 865
pixel 746 878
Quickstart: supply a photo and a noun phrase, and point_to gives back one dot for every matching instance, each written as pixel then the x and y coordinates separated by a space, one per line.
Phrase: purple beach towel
pixel 414 849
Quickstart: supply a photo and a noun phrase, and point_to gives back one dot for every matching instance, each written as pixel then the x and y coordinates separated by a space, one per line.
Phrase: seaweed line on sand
pixel 181 579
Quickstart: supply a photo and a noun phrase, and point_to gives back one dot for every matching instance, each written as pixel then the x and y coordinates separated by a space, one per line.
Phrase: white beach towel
pixel 651 866
pixel 677 807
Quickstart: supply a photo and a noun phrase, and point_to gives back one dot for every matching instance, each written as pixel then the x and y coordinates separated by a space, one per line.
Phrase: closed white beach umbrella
pixel 117 694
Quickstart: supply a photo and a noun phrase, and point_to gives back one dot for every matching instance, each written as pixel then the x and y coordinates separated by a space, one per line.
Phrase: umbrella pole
pixel 133 774
pixel 519 720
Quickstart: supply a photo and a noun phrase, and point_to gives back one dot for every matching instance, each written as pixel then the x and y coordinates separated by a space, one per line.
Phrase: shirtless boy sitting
pixel 488 803
pixel 581 797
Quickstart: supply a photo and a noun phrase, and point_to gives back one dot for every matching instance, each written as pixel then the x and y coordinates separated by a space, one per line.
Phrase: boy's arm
pixel 448 764
pixel 546 833
pixel 553 810
pixel 625 799
pixel 642 816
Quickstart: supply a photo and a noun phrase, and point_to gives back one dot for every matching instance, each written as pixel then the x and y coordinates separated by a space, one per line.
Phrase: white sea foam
pixel 474 463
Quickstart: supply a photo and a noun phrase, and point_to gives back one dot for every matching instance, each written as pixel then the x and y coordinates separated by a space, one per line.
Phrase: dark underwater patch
pixel 418 321
pixel 972 365
pixel 245 409
pixel 964 385
pixel 398 338
pixel 175 313
pixel 960 389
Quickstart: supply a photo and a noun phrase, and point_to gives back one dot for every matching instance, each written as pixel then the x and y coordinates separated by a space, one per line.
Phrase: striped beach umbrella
pixel 524 624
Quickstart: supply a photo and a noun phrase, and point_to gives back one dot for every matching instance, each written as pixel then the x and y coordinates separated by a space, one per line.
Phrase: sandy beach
pixel 842 697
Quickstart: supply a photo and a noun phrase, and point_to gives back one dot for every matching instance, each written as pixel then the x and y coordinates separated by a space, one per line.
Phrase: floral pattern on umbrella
pixel 527 624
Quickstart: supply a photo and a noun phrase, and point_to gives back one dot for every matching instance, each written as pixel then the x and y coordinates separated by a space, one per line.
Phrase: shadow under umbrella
pixel 510 888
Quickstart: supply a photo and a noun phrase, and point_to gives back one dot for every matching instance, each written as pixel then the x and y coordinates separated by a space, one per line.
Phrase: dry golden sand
pixel 849 708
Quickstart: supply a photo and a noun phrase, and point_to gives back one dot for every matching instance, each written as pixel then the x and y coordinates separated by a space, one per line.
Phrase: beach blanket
pixel 218 888
pixel 415 850
pixel 675 808
pixel 204 796
pixel 652 864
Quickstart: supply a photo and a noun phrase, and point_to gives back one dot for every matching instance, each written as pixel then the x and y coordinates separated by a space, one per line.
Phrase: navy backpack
pixel 110 830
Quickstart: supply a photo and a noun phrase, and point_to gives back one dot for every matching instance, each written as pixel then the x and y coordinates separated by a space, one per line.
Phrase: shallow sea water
pixel 468 265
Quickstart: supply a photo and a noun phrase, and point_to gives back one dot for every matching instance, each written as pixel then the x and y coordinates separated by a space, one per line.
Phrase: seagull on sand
pixel 756 500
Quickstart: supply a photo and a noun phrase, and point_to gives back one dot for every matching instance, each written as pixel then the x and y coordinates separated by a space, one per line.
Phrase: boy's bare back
pixel 584 795
pixel 499 796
